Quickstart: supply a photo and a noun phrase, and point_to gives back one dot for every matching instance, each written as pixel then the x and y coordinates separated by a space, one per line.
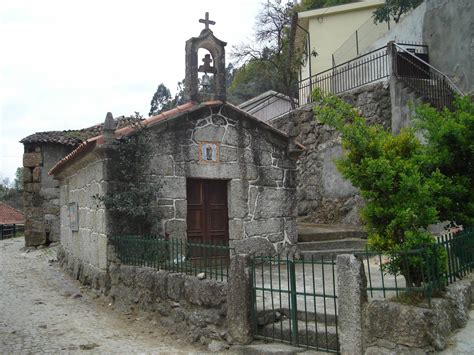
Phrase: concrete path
pixel 462 342
pixel 44 311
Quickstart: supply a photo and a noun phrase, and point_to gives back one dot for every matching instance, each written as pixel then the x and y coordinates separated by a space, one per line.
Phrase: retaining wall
pixel 323 195
pixel 382 326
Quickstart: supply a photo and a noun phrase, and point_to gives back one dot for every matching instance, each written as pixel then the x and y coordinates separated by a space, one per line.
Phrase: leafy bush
pixel 130 195
pixel 449 145
pixel 402 196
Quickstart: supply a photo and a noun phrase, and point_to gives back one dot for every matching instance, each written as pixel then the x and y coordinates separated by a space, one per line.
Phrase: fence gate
pixel 295 301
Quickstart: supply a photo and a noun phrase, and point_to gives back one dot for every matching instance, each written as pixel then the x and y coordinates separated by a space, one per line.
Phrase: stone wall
pixel 41 194
pixel 255 162
pixel 448 30
pixel 324 196
pixel 185 305
pixel 85 250
pixel 383 326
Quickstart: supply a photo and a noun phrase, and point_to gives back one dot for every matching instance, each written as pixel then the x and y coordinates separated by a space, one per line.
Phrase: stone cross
pixel 206 21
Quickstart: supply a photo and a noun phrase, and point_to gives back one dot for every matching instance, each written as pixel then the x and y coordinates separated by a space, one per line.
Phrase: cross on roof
pixel 206 21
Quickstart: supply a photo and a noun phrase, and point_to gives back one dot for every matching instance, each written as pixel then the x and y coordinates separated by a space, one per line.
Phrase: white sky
pixel 64 63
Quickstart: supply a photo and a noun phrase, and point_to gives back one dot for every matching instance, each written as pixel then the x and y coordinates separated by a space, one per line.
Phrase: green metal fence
pixel 421 272
pixel 10 230
pixel 295 301
pixel 174 255
pixel 460 254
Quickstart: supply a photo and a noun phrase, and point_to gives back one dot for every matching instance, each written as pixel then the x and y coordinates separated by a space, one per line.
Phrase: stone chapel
pixel 221 175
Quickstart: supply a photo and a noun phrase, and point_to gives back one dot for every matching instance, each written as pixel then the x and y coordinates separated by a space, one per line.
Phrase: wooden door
pixel 207 220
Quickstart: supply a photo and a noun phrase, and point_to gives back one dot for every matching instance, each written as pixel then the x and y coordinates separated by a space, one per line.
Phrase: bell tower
pixel 212 83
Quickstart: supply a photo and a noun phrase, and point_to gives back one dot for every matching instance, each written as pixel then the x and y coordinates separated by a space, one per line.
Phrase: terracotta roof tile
pixel 73 137
pixel 10 215
pixel 90 143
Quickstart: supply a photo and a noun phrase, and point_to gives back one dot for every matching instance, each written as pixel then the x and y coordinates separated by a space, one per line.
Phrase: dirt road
pixel 42 310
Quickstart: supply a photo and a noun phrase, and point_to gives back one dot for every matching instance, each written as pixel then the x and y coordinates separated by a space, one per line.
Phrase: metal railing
pixel 295 301
pixel 11 230
pixel 431 84
pixel 363 70
pixel 428 269
pixel 175 255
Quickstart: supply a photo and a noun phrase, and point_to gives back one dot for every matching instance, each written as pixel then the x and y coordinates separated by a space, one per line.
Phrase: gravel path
pixel 42 310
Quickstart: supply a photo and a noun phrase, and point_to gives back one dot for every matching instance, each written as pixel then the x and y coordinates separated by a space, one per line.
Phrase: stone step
pixel 309 334
pixel 327 254
pixel 348 243
pixel 269 316
pixel 308 232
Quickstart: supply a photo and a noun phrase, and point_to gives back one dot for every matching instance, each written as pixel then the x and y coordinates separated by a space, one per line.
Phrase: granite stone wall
pixel 185 305
pixel 382 326
pixel 85 249
pixel 41 194
pixel 323 195
pixel 255 162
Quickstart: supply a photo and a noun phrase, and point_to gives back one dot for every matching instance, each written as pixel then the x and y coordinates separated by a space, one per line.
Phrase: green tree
pixel 274 45
pixel 317 4
pixel 401 196
pixel 252 79
pixel 449 137
pixel 394 9
pixel 19 179
pixel 161 100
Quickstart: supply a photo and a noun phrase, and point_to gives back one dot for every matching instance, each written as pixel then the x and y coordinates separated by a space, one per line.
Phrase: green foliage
pixel 19 179
pixel 394 9
pixel 402 197
pixel 274 47
pixel 449 139
pixel 317 4
pixel 163 101
pixel 130 194
pixel 252 79
pixel 12 194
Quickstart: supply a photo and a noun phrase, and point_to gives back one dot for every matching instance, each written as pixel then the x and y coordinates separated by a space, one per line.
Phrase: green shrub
pixel 402 197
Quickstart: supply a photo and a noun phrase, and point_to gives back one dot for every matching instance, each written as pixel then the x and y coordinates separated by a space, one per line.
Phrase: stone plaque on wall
pixel 209 152
pixel 73 216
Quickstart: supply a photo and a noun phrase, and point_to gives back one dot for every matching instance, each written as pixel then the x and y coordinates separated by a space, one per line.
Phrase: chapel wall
pixel 260 173
pixel 323 195
pixel 86 246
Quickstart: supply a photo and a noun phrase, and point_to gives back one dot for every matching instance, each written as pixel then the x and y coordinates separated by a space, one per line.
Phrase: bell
pixel 205 81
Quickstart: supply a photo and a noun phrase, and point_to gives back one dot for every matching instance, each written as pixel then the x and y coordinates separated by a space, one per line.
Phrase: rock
pixel 254 245
pixel 201 276
pixel 77 295
pixel 215 346
pixel 88 346
pixel 207 293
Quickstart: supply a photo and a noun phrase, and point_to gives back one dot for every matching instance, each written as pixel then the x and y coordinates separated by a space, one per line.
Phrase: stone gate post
pixel 352 298
pixel 239 299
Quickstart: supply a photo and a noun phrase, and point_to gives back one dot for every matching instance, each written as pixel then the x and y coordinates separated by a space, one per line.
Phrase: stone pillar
pixel 239 299
pixel 352 298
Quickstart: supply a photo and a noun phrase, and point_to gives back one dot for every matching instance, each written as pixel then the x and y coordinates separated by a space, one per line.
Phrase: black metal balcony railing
pixel 406 61
pixel 365 69
pixel 429 83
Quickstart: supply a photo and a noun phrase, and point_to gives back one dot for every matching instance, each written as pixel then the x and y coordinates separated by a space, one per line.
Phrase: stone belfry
pixel 212 84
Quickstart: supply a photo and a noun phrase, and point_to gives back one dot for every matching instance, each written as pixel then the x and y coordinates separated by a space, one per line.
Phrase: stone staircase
pixel 315 330
pixel 324 241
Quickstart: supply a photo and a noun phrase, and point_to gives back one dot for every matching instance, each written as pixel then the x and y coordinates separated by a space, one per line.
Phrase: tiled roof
pixel 90 143
pixel 120 132
pixel 73 137
pixel 10 215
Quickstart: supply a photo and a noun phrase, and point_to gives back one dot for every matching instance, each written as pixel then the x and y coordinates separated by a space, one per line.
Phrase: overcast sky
pixel 64 64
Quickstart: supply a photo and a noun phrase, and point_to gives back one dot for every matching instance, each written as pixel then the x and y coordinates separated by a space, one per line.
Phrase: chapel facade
pixel 220 175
